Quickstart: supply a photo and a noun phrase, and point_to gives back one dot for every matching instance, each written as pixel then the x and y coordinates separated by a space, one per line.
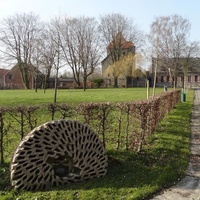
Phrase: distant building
pixel 12 79
pixel 120 47
pixel 63 83
pixel 3 72
pixel 187 72
pixel 123 47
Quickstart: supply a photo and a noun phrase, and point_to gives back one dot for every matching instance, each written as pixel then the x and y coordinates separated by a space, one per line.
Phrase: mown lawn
pixel 162 162
pixel 30 97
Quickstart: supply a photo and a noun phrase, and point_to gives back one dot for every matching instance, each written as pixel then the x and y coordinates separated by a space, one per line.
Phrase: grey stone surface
pixel 189 187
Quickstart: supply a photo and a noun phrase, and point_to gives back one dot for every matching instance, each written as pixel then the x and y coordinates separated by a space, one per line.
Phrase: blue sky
pixel 142 11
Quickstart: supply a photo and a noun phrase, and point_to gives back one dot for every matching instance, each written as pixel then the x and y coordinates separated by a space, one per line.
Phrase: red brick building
pixel 12 79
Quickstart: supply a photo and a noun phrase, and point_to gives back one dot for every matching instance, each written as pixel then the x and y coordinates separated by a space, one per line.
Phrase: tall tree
pixel 18 34
pixel 125 66
pixel 80 46
pixel 55 38
pixel 168 36
pixel 189 60
pixel 47 49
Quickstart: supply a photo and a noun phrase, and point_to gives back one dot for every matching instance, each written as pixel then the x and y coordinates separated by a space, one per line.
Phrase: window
pixel 189 79
pixel 162 79
pixel 196 78
pixel 10 76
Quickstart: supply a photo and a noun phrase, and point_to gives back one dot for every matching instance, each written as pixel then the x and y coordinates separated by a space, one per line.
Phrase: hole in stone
pixel 37 171
pixel 20 157
pixel 21 162
pixel 50 153
pixel 87 168
pixel 80 140
pixel 46 138
pixel 40 178
pixel 62 141
pixel 63 124
pixel 75 134
pixel 76 143
pixel 38 145
pixel 39 162
pixel 90 145
pixel 20 187
pixel 27 148
pixel 47 133
pixel 48 147
pixel 37 133
pixel 54 138
pixel 46 177
pixel 81 155
pixel 93 174
pixel 30 178
pixel 54 142
pixel 45 142
pixel 50 126
pixel 75 125
pixel 38 150
pixel 18 173
pixel 29 167
pixel 34 160
pixel 32 170
pixel 59 126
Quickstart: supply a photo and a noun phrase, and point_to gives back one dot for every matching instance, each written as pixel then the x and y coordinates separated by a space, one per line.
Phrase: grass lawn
pixel 30 97
pixel 162 162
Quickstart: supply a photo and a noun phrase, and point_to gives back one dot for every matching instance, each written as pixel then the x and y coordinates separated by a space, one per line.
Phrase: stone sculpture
pixel 57 153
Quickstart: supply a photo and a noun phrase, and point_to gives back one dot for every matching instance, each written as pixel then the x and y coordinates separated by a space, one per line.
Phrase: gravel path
pixel 189 187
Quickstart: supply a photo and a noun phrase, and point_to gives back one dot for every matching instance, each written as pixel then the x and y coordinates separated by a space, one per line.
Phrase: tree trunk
pixel 55 87
pixel 154 81
pixel 36 83
pixel 1 140
pixel 84 83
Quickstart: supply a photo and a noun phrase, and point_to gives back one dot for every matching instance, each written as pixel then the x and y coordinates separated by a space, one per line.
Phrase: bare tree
pixel 88 46
pixel 48 54
pixel 114 28
pixel 55 38
pixel 168 37
pixel 18 34
pixel 189 60
pixel 79 42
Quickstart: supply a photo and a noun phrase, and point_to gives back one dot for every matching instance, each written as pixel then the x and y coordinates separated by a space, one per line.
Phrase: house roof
pixel 119 39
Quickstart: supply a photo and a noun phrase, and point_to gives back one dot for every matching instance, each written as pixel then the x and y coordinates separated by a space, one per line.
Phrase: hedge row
pixel 119 125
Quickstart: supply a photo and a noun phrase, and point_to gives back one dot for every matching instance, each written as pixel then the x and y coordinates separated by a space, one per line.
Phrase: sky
pixel 142 12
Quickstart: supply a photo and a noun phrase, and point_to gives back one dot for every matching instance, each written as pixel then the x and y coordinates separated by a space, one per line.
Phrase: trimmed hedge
pixel 119 125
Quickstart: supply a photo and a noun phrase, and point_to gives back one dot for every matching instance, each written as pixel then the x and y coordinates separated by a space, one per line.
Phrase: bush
pixel 98 82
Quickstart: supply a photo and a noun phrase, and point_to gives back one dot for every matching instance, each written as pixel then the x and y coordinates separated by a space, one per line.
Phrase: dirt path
pixel 189 187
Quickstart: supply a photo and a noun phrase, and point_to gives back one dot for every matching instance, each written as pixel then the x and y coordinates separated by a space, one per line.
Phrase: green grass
pixel 30 97
pixel 162 162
